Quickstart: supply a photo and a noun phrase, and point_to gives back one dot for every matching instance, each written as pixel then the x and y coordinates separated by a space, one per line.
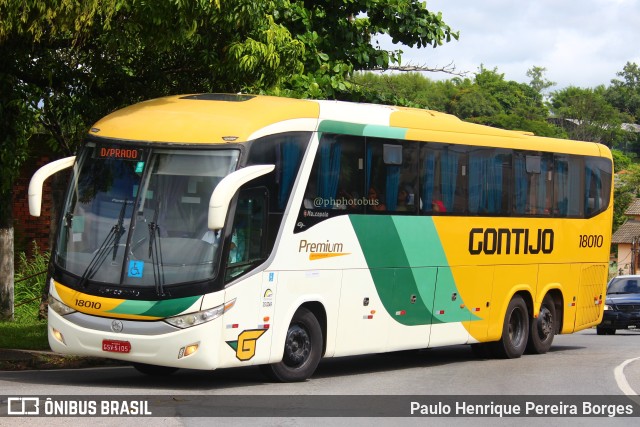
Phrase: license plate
pixel 115 346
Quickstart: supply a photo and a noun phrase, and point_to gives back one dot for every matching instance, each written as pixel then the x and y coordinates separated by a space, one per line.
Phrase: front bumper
pixel 615 319
pixel 154 343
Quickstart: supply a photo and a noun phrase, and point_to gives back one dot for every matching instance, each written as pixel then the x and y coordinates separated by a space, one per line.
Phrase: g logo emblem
pixel 245 347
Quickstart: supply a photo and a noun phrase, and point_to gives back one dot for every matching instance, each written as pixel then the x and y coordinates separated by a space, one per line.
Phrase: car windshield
pixel 624 285
pixel 138 217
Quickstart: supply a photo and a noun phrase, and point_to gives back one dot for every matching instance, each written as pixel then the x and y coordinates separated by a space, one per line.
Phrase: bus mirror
pixel 226 189
pixel 38 178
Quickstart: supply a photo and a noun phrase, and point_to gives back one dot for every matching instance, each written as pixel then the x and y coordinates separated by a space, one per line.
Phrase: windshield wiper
pixel 155 253
pixel 112 238
pixel 119 229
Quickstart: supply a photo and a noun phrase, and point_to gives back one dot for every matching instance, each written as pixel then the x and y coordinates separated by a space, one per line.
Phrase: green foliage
pixel 588 116
pixel 627 186
pixel 338 35
pixel 487 99
pixel 624 94
pixel 74 62
pixel 539 82
pixel 16 124
pixel 30 278
pixel 620 160
pixel 407 89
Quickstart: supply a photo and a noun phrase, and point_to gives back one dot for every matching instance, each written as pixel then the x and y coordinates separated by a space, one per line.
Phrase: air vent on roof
pixel 219 97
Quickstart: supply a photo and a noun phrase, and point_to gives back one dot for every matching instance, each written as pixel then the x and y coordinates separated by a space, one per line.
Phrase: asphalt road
pixel 581 367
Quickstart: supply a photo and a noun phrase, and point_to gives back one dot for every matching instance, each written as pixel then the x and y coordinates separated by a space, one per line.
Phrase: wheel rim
pixel 297 347
pixel 545 323
pixel 516 327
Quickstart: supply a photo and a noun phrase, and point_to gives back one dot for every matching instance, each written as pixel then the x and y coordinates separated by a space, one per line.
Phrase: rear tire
pixel 154 370
pixel 515 330
pixel 542 329
pixel 302 350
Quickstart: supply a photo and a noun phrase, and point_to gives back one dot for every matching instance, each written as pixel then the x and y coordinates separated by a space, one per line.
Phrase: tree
pixel 625 94
pixel 338 35
pixel 409 89
pixel 539 82
pixel 67 63
pixel 487 99
pixel 492 100
pixel 626 188
pixel 587 116
pixel 15 126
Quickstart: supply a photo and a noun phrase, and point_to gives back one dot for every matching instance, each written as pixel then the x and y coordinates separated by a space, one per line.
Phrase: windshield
pixel 138 217
pixel 624 285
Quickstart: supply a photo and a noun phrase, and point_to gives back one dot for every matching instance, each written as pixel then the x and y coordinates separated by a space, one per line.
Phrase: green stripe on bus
pixel 345 128
pixel 405 258
pixel 166 308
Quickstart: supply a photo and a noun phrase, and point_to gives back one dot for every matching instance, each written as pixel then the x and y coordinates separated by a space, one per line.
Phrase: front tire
pixel 302 350
pixel 515 330
pixel 543 329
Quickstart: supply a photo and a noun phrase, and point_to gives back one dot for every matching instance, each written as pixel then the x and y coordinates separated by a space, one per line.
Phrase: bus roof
pixel 222 118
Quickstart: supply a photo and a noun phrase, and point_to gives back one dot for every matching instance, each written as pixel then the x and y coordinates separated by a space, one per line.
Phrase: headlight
pixel 193 319
pixel 59 307
pixel 608 307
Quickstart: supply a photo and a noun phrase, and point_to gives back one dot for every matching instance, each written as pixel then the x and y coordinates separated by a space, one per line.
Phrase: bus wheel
pixel 302 350
pixel 154 370
pixel 543 329
pixel 515 330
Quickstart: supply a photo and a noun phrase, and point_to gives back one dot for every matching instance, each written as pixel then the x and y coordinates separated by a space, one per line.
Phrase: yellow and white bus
pixel 209 231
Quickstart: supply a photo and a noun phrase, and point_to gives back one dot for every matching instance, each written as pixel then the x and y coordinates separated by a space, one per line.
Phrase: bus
pixel 208 231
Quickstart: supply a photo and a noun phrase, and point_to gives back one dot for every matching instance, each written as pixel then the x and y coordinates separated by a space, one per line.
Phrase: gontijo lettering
pixel 507 241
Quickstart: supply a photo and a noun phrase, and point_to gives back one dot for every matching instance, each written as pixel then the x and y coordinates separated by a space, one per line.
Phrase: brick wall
pixel 27 228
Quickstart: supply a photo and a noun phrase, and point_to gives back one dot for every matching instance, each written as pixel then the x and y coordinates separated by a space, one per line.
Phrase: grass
pixel 27 331
pixel 24 334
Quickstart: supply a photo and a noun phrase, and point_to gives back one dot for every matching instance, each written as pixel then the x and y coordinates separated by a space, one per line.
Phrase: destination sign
pixel 119 153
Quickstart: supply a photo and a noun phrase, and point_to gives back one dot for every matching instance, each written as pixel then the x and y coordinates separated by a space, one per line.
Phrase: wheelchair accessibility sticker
pixel 135 268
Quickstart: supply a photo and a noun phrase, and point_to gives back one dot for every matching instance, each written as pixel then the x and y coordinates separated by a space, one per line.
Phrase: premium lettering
pixel 312 247
pixel 510 241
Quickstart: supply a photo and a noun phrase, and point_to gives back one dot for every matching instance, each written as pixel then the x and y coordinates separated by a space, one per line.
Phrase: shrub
pixel 30 278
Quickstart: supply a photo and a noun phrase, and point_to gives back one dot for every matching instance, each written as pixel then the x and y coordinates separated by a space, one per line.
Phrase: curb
pixel 20 360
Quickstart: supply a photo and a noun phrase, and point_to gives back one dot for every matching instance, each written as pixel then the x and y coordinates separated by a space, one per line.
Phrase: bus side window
pixel 335 182
pixel 597 185
pixel 567 177
pixel 391 175
pixel 443 179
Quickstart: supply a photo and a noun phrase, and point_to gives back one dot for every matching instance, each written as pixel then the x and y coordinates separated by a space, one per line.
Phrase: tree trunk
pixel 6 273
